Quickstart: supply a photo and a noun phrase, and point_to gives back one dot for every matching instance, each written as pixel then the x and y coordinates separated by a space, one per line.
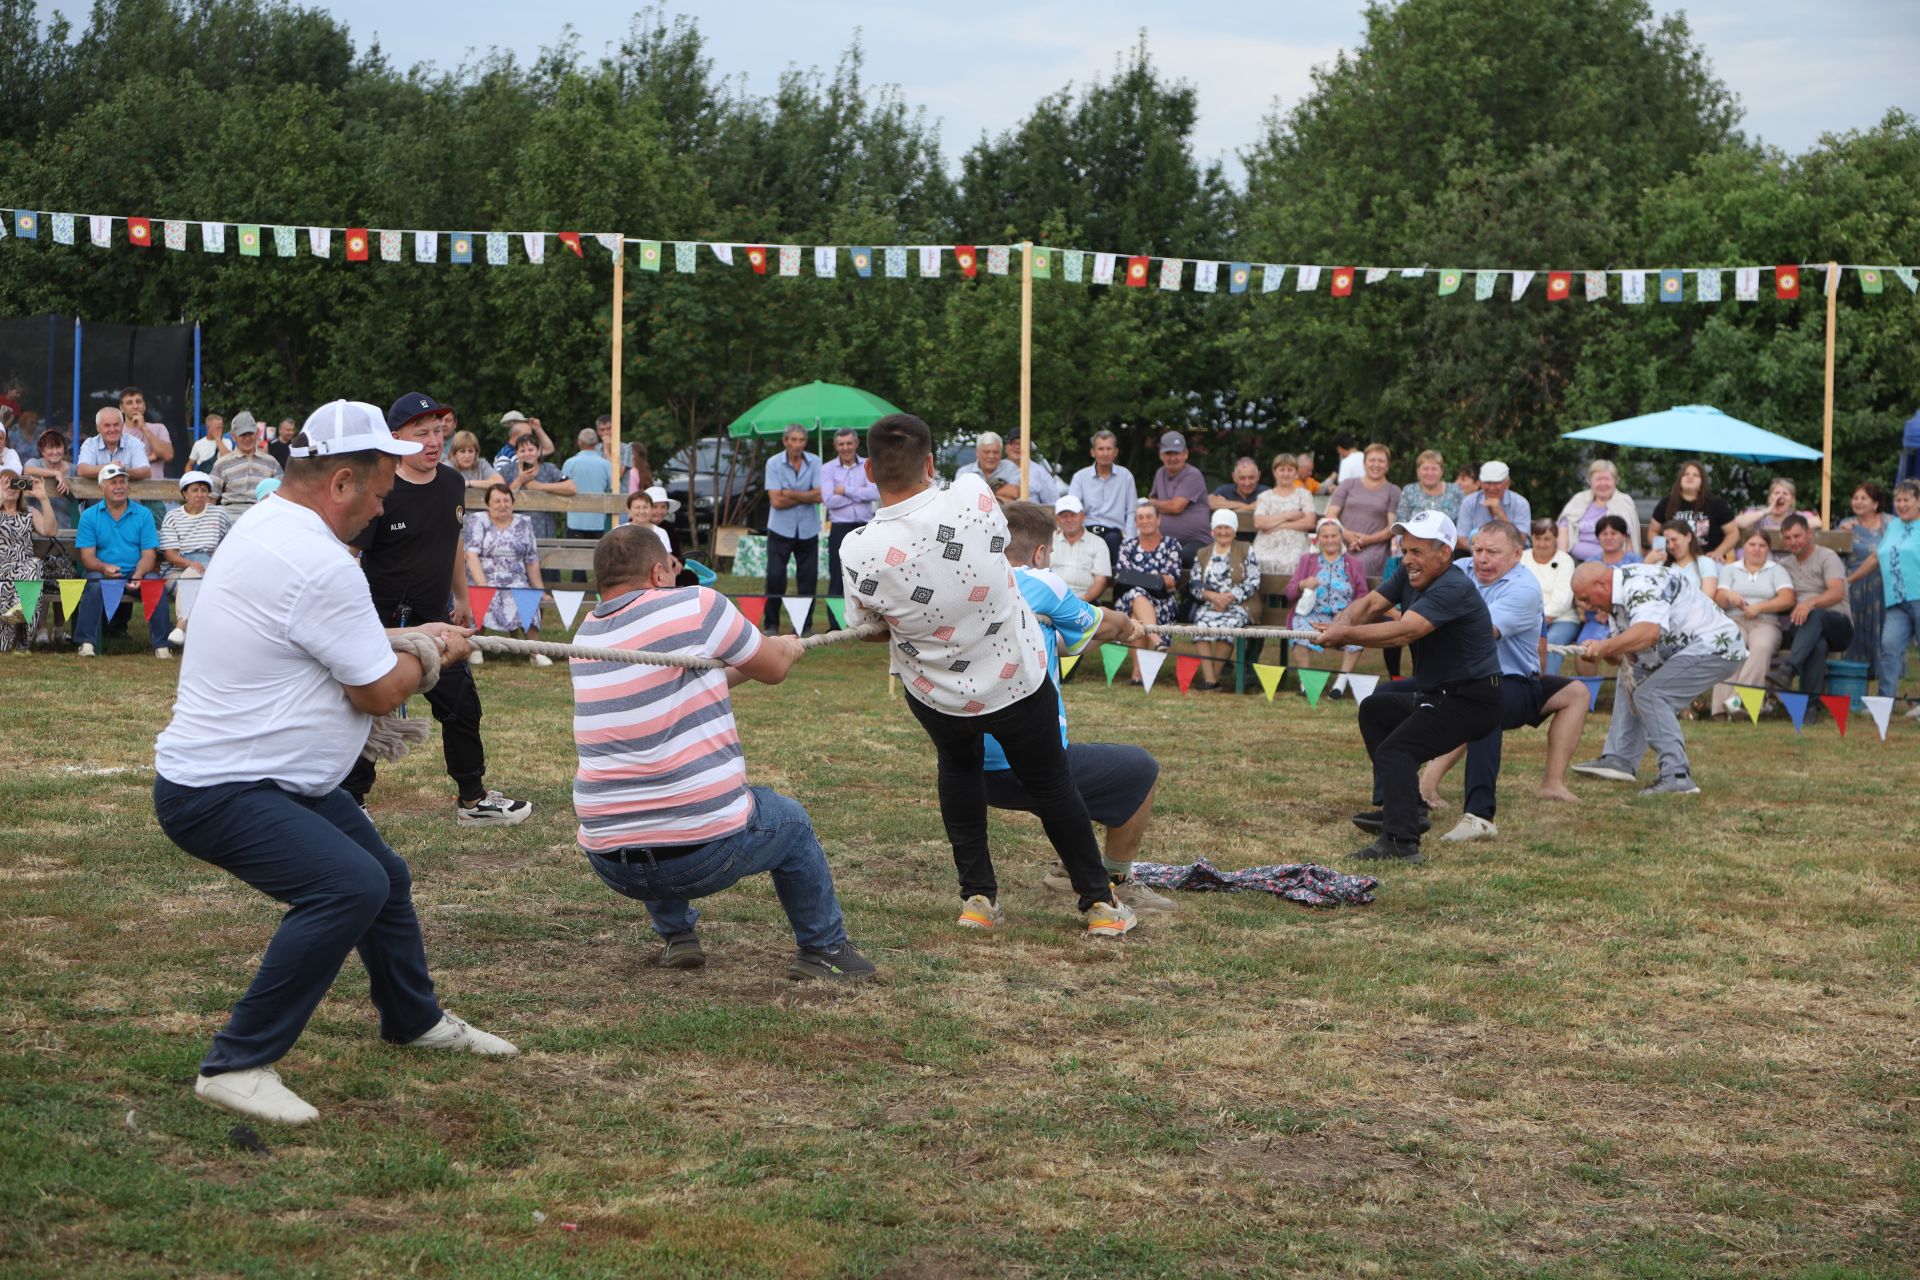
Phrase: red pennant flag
pixel 757 258
pixel 151 589
pixel 480 599
pixel 356 244
pixel 1137 272
pixel 1559 286
pixel 755 607
pixel 571 239
pixel 140 233
pixel 1786 282
pixel 968 259
pixel 1343 282
pixel 1185 668
pixel 1836 705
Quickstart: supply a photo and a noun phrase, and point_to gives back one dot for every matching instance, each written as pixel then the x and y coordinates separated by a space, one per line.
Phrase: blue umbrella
pixel 1698 428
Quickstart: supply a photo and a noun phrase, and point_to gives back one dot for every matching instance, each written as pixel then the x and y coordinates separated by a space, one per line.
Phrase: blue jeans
pixel 778 839
pixel 90 619
pixel 345 890
pixel 1900 628
pixel 1560 633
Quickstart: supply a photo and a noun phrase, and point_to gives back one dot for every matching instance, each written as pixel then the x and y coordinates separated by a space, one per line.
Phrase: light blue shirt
pixel 800 522
pixel 1473 514
pixel 1518 608
pixel 1110 501
pixel 1066 623
pixel 590 473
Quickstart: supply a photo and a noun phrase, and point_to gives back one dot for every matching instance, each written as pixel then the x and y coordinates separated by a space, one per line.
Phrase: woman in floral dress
pixel 503 553
pixel 1150 553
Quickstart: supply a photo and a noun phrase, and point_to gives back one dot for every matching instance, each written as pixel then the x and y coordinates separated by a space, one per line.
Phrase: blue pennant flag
pixel 1673 287
pixel 1796 705
pixel 862 260
pixel 462 244
pixel 26 224
pixel 527 601
pixel 1237 276
pixel 111 589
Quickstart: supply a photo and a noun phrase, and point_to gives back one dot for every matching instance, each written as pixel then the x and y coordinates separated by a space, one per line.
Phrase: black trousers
pixel 1029 732
pixel 806 553
pixel 456 705
pixel 835 536
pixel 1403 729
pixel 1112 537
pixel 1826 631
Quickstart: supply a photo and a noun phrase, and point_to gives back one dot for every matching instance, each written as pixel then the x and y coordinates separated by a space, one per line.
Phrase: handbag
pixel 1153 584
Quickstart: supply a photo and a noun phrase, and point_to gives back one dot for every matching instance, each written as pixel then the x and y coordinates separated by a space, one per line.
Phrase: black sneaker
pixel 1375 820
pixel 1386 849
pixel 682 952
pixel 842 964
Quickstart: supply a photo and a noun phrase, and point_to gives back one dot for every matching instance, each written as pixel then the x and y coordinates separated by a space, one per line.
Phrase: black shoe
pixel 842 964
pixel 682 952
pixel 1375 821
pixel 1386 849
pixel 1203 686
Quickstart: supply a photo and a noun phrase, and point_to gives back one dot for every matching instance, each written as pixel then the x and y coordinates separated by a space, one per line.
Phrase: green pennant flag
pixel 1042 263
pixel 1312 683
pixel 1870 279
pixel 649 255
pixel 1111 656
pixel 1449 281
pixel 29 593
pixel 837 610
pixel 249 241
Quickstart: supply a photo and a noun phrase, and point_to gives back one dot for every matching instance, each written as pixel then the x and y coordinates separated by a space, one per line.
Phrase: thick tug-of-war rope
pixel 594 653
pixel 392 736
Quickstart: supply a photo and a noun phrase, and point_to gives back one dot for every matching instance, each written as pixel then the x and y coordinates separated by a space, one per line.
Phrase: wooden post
pixel 1026 362
pixel 619 335
pixel 1826 447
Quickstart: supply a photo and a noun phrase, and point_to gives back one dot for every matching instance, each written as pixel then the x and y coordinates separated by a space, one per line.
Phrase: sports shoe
pixel 842 964
pixel 477 659
pixel 163 653
pixel 981 912
pixel 1471 827
pixel 494 810
pixel 1110 919
pixel 1678 784
pixel 452 1033
pixel 85 651
pixel 1375 821
pixel 1132 893
pixel 1057 879
pixel 540 660
pixel 682 952
pixel 177 637
pixel 1386 849
pixel 1603 768
pixel 255 1093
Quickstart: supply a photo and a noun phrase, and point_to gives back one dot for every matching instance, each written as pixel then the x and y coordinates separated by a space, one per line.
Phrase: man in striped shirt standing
pixel 666 815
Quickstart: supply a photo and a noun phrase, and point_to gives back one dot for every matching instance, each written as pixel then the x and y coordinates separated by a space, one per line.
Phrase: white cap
pixel 1069 503
pixel 658 494
pixel 349 426
pixel 512 416
pixel 1230 519
pixel 1493 472
pixel 111 471
pixel 195 477
pixel 1430 525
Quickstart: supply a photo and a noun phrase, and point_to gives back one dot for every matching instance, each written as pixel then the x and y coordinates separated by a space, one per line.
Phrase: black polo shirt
pixel 1460 646
pixel 407 550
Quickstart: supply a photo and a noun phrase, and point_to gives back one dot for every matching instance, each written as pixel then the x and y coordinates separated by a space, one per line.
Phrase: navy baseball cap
pixel 413 405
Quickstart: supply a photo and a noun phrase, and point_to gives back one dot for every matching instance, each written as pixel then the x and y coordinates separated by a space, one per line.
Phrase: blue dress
pixel 1866 597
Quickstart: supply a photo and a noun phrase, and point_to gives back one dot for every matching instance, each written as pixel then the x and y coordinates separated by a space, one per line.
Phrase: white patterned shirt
pixel 1689 622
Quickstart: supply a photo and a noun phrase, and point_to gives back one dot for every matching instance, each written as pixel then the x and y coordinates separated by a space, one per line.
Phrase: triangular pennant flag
pixel 426 246
pixel 460 248
pixel 1362 687
pixel 929 261
pixel 100 231
pixel 1067 664
pixel 754 607
pixel 1869 279
pixel 998 260
pixel 389 246
pixel 185 592
pixel 1449 281
pixel 837 610
pixel 1559 286
pixel 799 611
pixel 497 248
pixel 965 257
pixel 1150 661
pixel 826 260
pixel 1673 286
pixel 1185 668
pixel 151 592
pixel 535 243
pixel 1342 282
pixel 29 593
pixel 571 239
pixel 1796 705
pixel 1269 677
pixel 1593 689
pixel 63 230
pixel 1908 277
pixel 1137 272
pixel 286 242
pixel 70 592
pixel 1073 265
pixel 862 261
pixel 1312 683
pixel 1706 286
pixel 526 604
pixel 649 255
pixel 757 258
pixel 249 242
pixel 724 252
pixel 1306 280
pixel 567 605
pixel 1596 284
pixel 1111 656
pixel 1237 276
pixel 1521 279
pixel 1633 287
pixel 111 591
pixel 1483 284
pixel 789 259
pixel 1170 272
pixel 1042 262
pixel 1750 698
pixel 1880 709
pixel 140 233
pixel 1271 277
pixel 1376 274
pixel 1746 284
pixel 1837 705
pixel 480 600
pixel 896 263
pixel 615 246
pixel 1786 282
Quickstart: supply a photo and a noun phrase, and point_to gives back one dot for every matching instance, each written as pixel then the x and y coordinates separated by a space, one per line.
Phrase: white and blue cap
pixel 349 426
pixel 1430 525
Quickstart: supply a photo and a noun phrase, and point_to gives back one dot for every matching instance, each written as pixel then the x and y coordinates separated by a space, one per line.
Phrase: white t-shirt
pixel 1352 467
pixel 283 620
pixel 935 567
pixel 10 461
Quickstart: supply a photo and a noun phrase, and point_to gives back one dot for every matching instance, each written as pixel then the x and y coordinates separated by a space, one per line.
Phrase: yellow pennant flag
pixel 1269 677
pixel 1067 664
pixel 1751 700
pixel 70 592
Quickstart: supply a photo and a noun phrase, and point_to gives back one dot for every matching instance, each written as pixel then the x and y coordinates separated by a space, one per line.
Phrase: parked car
pixel 725 487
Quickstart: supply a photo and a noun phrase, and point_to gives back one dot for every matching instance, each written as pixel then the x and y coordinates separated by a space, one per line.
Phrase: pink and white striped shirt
pixel 660 757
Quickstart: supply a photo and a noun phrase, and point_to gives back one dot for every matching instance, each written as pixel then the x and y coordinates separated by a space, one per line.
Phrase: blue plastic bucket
pixel 1848 679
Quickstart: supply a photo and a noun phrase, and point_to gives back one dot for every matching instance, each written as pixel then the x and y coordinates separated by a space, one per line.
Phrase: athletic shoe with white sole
pixel 1471 827
pixel 85 651
pixel 541 660
pixel 1678 784
pixel 494 810
pixel 164 654
pixel 981 912
pixel 842 964
pixel 1133 894
pixel 452 1033
pixel 1604 768
pixel 177 637
pixel 1110 920
pixel 255 1093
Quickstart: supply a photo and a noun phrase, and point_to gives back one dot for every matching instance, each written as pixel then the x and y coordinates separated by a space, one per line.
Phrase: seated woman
pixel 1683 554
pixel 22 518
pixel 503 553
pixel 463 451
pixel 1611 533
pixel 1580 519
pixel 640 512
pixel 1222 590
pixel 1782 499
pixel 1325 582
pixel 1147 556
pixel 189 535
pixel 1553 569
pixel 1756 593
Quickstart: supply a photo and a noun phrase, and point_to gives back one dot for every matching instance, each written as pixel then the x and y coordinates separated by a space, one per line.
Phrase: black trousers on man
pixel 1825 632
pixel 836 536
pixel 1029 732
pixel 1403 729
pixel 806 555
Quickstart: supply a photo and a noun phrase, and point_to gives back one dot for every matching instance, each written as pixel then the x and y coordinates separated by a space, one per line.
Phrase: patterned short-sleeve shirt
pixel 1688 621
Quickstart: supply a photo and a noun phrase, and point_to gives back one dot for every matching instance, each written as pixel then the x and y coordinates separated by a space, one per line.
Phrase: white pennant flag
pixel 101 230
pixel 1271 277
pixel 929 260
pixel 1308 280
pixel 1633 286
pixel 825 259
pixel 213 237
pixel 426 246
pixel 185 592
pixel 1412 273
pixel 1706 286
pixel 610 242
pixel 799 611
pixel 567 605
pixel 1150 660
pixel 1746 284
pixel 1206 277
pixel 319 241
pixel 1376 274
pixel 1362 687
pixel 724 252
pixel 1832 275
pixel 1103 268
pixel 1881 709
pixel 1521 279
pixel 536 245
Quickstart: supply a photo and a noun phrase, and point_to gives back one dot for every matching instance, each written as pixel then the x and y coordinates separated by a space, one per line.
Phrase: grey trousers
pixel 1646 710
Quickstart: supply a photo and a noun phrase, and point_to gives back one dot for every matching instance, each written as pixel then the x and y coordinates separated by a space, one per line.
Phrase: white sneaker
pixel 86 651
pixel 164 654
pixel 1106 920
pixel 981 912
pixel 476 659
pixel 494 810
pixel 256 1093
pixel 1471 827
pixel 541 660
pixel 1138 896
pixel 177 637
pixel 452 1033
pixel 1602 768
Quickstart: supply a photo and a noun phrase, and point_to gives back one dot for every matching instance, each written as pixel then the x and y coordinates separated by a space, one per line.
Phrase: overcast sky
pixel 1800 67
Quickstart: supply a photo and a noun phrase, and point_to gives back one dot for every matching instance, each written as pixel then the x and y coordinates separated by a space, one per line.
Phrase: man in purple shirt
pixel 1179 494
pixel 850 497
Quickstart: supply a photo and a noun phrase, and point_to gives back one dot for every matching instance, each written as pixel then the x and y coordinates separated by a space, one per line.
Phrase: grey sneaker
pixel 1604 768
pixel 1130 892
pixel 1679 784
pixel 842 964
pixel 682 952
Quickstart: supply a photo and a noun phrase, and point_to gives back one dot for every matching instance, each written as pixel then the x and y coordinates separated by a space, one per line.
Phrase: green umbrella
pixel 818 406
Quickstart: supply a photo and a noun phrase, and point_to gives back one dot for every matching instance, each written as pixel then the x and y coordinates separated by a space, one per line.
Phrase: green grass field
pixel 1630 1038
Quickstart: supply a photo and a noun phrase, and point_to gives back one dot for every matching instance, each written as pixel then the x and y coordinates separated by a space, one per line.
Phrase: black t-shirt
pixel 407 551
pixel 1460 646
pixel 1709 521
